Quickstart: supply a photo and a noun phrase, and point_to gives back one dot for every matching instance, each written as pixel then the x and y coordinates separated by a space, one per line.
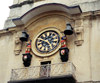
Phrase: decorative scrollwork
pixel 18 46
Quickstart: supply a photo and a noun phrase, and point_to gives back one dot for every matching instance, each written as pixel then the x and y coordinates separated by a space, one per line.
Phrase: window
pixel 45 69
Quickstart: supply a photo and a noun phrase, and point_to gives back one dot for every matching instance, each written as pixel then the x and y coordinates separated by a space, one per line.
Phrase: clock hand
pixel 41 39
pixel 49 44
pixel 45 41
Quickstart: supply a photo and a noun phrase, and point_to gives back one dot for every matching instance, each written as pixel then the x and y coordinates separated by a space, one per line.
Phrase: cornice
pixel 11 30
pixel 86 15
pixel 45 8
pixel 21 4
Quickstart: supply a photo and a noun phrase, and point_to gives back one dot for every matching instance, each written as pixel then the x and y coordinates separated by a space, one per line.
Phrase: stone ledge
pixel 23 3
pixel 89 82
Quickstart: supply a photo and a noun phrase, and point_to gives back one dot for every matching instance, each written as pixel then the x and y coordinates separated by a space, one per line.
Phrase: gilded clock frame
pixel 45 45
pixel 41 54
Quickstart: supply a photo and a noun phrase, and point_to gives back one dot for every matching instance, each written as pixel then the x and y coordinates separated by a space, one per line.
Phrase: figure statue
pixel 63 41
pixel 28 48
pixel 27 56
pixel 63 51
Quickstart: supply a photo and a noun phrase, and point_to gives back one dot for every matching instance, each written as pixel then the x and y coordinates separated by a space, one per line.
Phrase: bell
pixel 69 30
pixel 24 36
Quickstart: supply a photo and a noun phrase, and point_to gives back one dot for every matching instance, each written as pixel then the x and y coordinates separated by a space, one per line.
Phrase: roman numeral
pixel 47 33
pixel 55 40
pixel 43 35
pixel 42 48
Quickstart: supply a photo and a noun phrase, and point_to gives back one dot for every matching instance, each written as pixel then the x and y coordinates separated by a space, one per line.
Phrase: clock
pixel 47 41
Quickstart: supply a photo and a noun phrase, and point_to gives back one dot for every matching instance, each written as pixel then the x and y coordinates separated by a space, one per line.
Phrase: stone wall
pixel 83 44
pixel 86 5
pixel 6 54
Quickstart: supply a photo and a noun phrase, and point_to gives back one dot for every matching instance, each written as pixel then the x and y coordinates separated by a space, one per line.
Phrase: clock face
pixel 47 41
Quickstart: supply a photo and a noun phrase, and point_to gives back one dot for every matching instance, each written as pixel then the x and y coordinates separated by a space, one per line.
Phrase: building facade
pixel 51 41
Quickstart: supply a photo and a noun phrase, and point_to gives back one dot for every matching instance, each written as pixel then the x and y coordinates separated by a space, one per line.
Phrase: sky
pixel 4 11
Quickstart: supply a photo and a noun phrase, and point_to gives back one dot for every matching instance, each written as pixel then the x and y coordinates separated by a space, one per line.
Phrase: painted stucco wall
pixel 86 5
pixel 85 57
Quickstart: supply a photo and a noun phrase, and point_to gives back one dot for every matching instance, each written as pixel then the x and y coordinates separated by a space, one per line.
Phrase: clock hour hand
pixel 41 39
pixel 46 41
pixel 49 44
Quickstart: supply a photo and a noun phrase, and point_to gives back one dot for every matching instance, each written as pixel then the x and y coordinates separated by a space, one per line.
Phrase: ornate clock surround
pixel 52 49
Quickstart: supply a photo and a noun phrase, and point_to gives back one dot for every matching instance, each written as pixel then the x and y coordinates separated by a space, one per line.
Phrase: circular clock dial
pixel 47 41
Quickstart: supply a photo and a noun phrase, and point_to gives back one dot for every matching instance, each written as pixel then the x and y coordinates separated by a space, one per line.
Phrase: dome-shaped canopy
pixel 45 8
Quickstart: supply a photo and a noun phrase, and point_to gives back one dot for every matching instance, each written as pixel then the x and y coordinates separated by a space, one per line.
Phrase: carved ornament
pixel 79 32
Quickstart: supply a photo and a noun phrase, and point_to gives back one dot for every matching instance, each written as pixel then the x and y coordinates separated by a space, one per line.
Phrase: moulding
pixel 79 42
pixel 46 59
pixel 19 5
pixel 86 15
pixel 40 16
pixel 89 82
pixel 11 30
pixel 23 3
pixel 34 49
